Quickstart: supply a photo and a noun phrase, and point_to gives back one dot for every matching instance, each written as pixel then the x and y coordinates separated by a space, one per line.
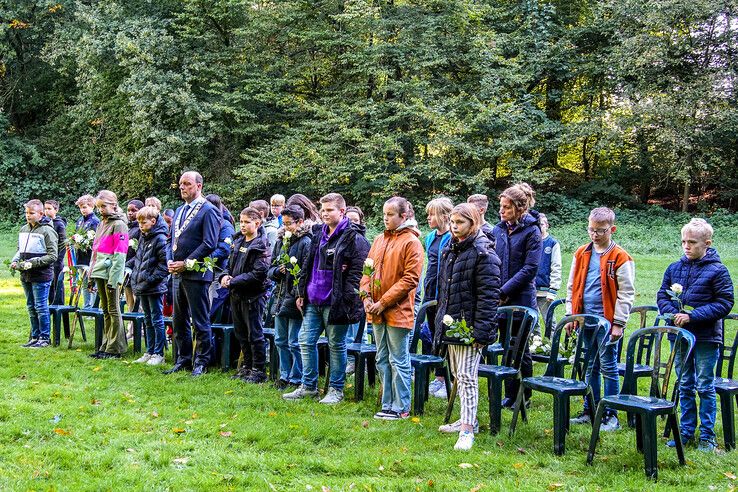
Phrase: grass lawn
pixel 68 422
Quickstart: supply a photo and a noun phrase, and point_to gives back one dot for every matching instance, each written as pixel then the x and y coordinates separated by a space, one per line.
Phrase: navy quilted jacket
pixel 707 288
pixel 520 254
pixel 469 287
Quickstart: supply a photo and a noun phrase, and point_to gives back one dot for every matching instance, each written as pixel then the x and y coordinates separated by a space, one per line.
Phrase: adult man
pixel 328 296
pixel 194 236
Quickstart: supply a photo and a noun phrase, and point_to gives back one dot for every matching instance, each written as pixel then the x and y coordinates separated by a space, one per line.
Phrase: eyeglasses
pixel 597 232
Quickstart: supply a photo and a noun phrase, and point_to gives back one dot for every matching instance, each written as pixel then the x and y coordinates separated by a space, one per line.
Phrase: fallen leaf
pixel 272 414
pixel 61 432
pixel 226 433
pixel 431 483
pixel 464 466
pixel 154 414
pixel 554 486
pixel 94 401
pixel 194 415
pixel 381 468
pixel 521 450
pixel 181 461
pixel 730 475
pixel 178 430
pixel 365 424
pixel 188 422
pixel 130 450
pixel 518 466
pixel 55 419
pixel 325 488
pixel 476 488
pixel 548 432
pixel 308 487
pixel 79 350
pixel 223 425
pixel 500 444
pixel 415 420
pixel 96 368
pixel 229 392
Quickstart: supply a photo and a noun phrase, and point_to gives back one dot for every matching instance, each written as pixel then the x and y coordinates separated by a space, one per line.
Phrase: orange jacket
pixel 398 263
pixel 617 278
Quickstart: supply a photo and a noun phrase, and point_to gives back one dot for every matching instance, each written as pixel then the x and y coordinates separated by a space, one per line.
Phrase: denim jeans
pixel 351 332
pixel 88 297
pixel 56 292
pixel 698 372
pixel 315 321
pixel 37 302
pixel 152 306
pixel 286 333
pixel 606 364
pixel 393 364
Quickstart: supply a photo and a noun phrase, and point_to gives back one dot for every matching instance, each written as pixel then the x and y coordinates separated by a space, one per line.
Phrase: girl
pixel 468 289
pixel 518 245
pixel 439 215
pixel 389 294
pixel 106 269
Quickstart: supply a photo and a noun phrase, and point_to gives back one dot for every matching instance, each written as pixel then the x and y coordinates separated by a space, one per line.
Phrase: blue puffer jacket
pixel 520 254
pixel 707 288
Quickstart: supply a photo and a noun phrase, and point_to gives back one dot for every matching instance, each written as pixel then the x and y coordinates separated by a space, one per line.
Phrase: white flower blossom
pixel 287 234
pixel 228 240
pixel 26 265
pixel 677 288
pixel 448 320
pixel 190 263
pixel 90 234
pixel 547 348
pixel 369 263
pixel 77 238
pixel 537 338
pixel 293 260
pixel 571 358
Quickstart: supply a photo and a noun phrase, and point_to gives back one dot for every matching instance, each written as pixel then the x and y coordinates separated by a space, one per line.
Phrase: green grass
pixel 119 427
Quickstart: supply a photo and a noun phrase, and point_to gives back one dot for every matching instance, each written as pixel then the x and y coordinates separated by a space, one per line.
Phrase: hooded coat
pixel 149 276
pixel 37 244
pixel 248 265
pixel 110 248
pixel 520 254
pixel 286 290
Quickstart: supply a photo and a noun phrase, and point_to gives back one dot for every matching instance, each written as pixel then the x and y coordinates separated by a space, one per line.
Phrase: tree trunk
pixel 685 193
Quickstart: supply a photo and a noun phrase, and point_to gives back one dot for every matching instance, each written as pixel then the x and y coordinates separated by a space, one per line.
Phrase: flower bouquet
pixel 458 330
pixel 81 239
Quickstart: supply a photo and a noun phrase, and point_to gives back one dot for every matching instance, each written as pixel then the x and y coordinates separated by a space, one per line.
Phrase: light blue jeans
pixel 393 363
pixel 606 364
pixel 698 373
pixel 313 324
pixel 37 303
pixel 286 333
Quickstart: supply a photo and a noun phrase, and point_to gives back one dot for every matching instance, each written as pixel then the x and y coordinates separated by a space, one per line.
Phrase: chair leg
pixel 494 391
pixel 649 445
pixel 273 360
pixel 359 373
pixel 674 424
pixel 559 427
pixel 371 371
pixel 595 436
pixel 727 411
pixel 67 329
pixel 225 351
pixel 450 404
pixel 639 432
pixel 517 408
pixel 420 390
pixel 98 332
pixel 137 327
pixel 327 377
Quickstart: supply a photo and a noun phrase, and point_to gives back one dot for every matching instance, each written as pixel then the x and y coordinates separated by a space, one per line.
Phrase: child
pixel 705 285
pixel 398 262
pixel 87 222
pixel 149 280
pixel 168 218
pixel 482 203
pixel 548 280
pixel 611 296
pixel 356 216
pixel 247 281
pixel 277 205
pixel 134 233
pixel 268 223
pixel 35 258
pixel 107 269
pixel 469 290
pixel 293 242
pixel 152 201
pixel 439 217
pixel 51 210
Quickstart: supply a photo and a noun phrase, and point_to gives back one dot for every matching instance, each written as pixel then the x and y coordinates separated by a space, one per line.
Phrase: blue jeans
pixel 152 306
pixel 56 292
pixel 606 364
pixel 393 363
pixel 351 332
pixel 37 302
pixel 286 332
pixel 698 372
pixel 88 297
pixel 316 319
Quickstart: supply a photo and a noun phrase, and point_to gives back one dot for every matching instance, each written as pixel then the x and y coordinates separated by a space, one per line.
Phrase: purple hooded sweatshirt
pixel 321 281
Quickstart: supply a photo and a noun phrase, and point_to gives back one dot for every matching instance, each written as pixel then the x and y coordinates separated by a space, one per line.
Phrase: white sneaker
pixel 334 396
pixel 455 427
pixel 144 358
pixel 350 367
pixel 299 393
pixel 435 385
pixel 609 423
pixel 156 360
pixel 441 393
pixel 465 441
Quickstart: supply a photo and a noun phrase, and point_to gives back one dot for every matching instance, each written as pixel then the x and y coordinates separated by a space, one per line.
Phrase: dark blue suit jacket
pixel 198 240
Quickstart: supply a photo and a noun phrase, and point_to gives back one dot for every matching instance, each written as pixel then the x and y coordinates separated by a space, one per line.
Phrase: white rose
pixel 677 288
pixel 190 263
pixel 293 260
pixel 26 265
pixel 369 263
pixel 571 358
pixel 91 234
pixel 448 320
pixel 65 269
pixel 537 338
pixel 77 237
pixel 547 348
pixel 228 240
pixel 287 234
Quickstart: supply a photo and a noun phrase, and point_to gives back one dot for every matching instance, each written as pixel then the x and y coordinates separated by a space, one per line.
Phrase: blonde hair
pixel 602 214
pixel 146 213
pixel 521 195
pixel 335 198
pixel 276 200
pixel 471 213
pixel 85 200
pixel 35 204
pixel 107 196
pixel 152 201
pixel 700 227
pixel 479 200
pixel 441 208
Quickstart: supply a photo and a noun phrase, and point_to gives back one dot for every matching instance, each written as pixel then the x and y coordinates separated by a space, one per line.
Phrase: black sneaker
pixel 40 343
pixel 243 372
pixel 582 418
pixel 107 355
pixel 96 355
pixel 30 343
pixel 256 377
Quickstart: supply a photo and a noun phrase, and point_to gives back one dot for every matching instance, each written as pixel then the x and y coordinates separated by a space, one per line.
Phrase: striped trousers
pixel 464 362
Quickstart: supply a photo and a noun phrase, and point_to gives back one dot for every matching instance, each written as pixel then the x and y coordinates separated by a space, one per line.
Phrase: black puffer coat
pixel 286 291
pixel 249 266
pixel 469 288
pixel 150 263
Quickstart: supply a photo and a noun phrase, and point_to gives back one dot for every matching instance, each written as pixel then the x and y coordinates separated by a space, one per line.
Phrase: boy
pixel 277 205
pixel 35 258
pixel 610 296
pixel 56 293
pixel 482 203
pixel 269 223
pixel 706 287
pixel 134 235
pixel 548 280
pixel 87 222
pixel 149 281
pixel 247 281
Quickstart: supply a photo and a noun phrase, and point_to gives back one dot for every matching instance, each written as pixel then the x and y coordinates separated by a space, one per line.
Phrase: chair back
pixel 513 347
pixel 584 349
pixel 728 352
pixel 663 364
pixel 418 323
pixel 645 345
pixel 548 322
pixel 80 272
pixel 359 338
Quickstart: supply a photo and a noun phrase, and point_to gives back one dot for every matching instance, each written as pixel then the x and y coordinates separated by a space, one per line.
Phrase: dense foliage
pixel 612 101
